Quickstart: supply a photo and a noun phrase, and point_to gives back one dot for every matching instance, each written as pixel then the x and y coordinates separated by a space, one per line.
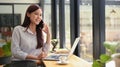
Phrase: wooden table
pixel 74 61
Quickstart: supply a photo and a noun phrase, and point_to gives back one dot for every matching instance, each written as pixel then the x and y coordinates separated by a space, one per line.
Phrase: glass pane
pixel 20 10
pixel 47 1
pixel 86 44
pixel 67 23
pixel 112 21
pixel 47 13
pixel 6 20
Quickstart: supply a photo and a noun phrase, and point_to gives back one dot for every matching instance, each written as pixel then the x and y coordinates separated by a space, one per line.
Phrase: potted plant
pixel 113 49
pixel 5 53
pixel 54 42
pixel 116 58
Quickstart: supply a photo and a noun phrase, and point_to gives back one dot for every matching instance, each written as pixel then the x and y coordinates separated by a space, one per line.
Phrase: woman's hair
pixel 39 27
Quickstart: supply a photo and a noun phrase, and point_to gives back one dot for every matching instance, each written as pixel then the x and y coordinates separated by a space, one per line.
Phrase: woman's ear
pixel 28 14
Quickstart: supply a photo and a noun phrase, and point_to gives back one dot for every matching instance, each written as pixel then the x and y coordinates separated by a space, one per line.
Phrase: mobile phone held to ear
pixel 41 24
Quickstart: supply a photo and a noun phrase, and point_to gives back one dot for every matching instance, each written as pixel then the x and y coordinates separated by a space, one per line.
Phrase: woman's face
pixel 35 17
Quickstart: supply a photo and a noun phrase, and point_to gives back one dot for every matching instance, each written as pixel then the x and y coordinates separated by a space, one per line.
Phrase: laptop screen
pixel 74 45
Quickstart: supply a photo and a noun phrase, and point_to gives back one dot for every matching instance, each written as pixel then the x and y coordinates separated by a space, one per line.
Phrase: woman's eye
pixel 40 14
pixel 35 13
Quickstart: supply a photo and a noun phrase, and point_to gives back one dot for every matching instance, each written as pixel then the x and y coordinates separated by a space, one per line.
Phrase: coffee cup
pixel 63 59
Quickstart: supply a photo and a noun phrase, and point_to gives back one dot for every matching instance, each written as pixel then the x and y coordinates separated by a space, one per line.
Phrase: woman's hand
pixel 42 55
pixel 38 62
pixel 46 29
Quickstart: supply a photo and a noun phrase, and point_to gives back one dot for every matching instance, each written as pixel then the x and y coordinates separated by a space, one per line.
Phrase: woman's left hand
pixel 42 55
pixel 46 29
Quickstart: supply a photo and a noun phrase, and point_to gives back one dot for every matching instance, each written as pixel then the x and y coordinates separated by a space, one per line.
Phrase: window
pixel 86 45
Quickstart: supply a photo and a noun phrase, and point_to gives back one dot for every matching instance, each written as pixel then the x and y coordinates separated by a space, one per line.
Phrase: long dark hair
pixel 39 27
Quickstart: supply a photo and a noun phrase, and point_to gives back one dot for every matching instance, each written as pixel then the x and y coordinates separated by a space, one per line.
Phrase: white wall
pixel 19 1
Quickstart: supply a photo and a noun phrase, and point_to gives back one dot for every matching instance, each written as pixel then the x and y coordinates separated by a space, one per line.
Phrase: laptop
pixel 55 57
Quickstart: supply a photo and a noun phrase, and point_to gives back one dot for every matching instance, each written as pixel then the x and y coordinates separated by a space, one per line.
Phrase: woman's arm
pixel 48 39
pixel 32 57
pixel 47 31
pixel 15 46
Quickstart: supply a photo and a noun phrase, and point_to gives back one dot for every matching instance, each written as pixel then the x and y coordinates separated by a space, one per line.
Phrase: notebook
pixel 55 57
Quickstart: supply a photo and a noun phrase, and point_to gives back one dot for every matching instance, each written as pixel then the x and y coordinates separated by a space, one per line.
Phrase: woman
pixel 31 40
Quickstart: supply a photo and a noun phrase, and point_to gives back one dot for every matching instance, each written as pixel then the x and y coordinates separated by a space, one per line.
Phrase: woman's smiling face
pixel 35 17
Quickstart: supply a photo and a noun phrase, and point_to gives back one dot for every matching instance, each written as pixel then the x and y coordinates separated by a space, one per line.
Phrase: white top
pixel 24 43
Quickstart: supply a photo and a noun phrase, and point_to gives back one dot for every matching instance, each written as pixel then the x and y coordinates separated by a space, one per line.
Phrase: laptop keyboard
pixel 53 57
